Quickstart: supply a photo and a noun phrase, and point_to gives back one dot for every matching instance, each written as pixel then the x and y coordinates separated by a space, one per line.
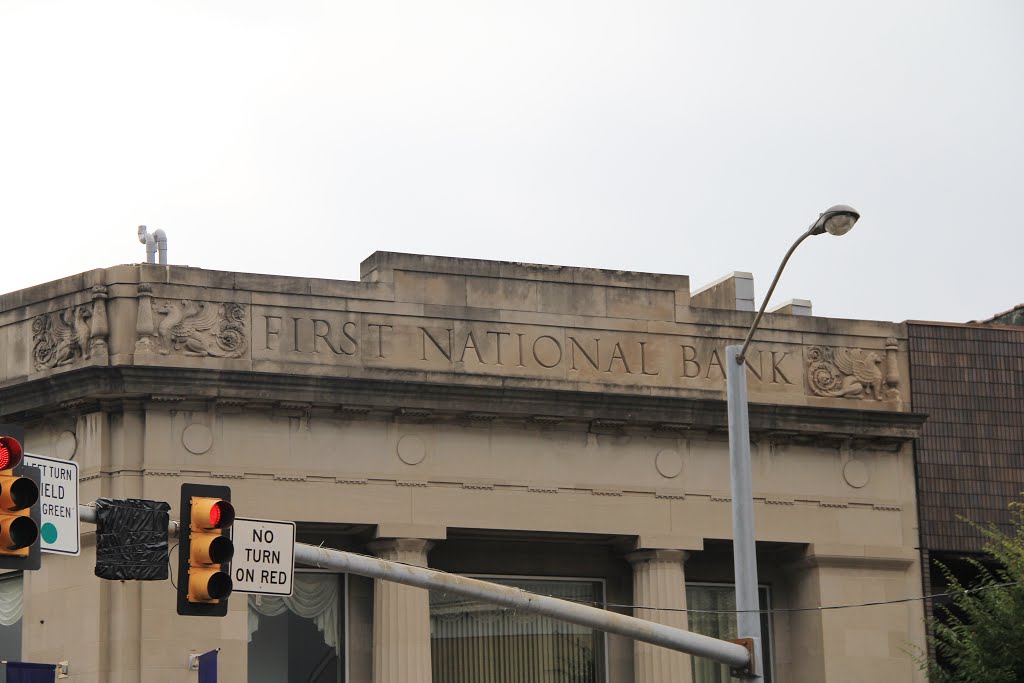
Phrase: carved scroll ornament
pixel 198 328
pixel 61 337
pixel 838 372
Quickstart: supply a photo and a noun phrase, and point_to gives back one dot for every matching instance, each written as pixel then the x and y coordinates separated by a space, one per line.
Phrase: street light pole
pixel 744 552
pixel 836 221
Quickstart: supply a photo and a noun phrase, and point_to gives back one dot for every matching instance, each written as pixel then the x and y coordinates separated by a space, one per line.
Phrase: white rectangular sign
pixel 264 560
pixel 59 526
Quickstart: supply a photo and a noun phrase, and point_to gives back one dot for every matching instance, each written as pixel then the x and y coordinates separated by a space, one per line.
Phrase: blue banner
pixel 27 672
pixel 207 667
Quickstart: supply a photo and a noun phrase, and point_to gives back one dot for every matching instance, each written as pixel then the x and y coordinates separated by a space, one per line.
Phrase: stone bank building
pixel 555 428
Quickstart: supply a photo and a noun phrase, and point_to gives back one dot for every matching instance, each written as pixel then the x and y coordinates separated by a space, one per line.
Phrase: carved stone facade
pixel 199 328
pixel 71 334
pixel 532 422
pixel 837 372
pixel 61 337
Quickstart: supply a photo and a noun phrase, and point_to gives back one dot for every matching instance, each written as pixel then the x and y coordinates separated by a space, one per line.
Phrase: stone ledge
pixel 694 497
pixel 82 390
pixel 858 557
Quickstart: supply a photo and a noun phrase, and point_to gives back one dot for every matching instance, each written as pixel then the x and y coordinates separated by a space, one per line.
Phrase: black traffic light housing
pixel 205 550
pixel 19 504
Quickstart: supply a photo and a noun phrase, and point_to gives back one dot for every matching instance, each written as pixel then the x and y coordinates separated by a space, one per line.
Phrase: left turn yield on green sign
pixel 59 528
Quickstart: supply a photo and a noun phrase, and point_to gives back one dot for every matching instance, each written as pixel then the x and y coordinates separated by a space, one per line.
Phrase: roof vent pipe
pixel 154 241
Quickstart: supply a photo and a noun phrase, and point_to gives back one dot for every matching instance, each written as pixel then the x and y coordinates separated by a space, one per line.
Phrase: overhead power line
pixel 614 605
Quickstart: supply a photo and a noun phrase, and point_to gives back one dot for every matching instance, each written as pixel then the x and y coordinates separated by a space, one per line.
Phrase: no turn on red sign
pixel 264 559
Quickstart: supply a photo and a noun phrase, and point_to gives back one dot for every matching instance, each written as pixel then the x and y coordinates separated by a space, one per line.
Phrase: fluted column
pixel 401 618
pixel 659 581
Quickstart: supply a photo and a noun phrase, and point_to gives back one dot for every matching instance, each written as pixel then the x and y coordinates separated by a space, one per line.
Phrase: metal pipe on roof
pixel 155 241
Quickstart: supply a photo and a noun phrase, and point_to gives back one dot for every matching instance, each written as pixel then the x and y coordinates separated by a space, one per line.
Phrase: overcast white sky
pixel 677 137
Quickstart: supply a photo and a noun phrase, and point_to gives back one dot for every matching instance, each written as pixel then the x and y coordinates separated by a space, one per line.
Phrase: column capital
pixel 657 555
pixel 407 550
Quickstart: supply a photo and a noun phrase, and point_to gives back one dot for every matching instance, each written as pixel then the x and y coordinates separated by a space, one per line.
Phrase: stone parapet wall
pixel 448 321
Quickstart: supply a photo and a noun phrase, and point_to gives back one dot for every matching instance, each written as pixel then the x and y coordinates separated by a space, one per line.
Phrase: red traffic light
pixel 10 452
pixel 221 514
pixel 212 513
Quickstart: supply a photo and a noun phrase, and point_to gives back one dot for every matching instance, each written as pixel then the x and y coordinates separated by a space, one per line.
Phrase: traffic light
pixel 19 508
pixel 204 577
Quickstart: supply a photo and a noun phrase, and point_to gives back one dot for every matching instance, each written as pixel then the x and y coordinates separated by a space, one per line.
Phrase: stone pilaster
pixel 99 328
pixel 401 618
pixel 144 324
pixel 659 581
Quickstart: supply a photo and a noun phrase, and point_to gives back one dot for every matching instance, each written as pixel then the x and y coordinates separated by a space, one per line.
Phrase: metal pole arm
pixel 750 333
pixel 726 652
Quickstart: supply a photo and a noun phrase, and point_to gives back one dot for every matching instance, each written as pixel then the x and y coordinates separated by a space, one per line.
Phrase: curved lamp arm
pixel 837 220
pixel 750 333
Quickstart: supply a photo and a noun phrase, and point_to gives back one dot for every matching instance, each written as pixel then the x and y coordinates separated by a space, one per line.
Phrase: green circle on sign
pixel 49 532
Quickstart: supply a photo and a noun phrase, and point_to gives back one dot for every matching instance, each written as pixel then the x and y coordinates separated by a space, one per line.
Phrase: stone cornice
pixel 96 388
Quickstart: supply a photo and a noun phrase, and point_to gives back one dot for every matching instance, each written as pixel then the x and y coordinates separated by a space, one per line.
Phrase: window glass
pixel 11 608
pixel 722 624
pixel 473 641
pixel 298 638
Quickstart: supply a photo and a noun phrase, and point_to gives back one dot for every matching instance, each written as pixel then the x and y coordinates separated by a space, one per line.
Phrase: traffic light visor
pixel 219 586
pixel 17 533
pixel 10 452
pixel 212 513
pixel 210 549
pixel 17 493
pixel 209 584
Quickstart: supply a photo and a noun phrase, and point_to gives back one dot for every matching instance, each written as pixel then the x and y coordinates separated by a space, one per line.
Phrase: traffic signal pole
pixel 727 652
pixel 520 600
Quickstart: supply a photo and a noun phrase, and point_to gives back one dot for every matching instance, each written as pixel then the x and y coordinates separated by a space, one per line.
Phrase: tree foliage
pixel 980 636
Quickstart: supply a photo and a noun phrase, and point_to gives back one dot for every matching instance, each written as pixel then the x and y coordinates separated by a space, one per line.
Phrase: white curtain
pixel 315 597
pixel 473 642
pixel 12 600
pixel 712 615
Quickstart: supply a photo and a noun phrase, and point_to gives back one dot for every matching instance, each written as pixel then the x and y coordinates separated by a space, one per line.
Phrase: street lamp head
pixel 836 220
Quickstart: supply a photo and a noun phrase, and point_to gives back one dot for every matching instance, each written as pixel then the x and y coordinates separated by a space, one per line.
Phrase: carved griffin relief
pixel 61 337
pixel 853 373
pixel 198 328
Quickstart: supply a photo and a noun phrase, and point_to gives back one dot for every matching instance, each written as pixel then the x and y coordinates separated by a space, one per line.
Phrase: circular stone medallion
pixel 855 472
pixel 411 450
pixel 197 438
pixel 67 444
pixel 669 464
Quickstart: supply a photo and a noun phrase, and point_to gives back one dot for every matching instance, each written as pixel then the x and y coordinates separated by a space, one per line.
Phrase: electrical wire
pixel 821 608
pixel 170 567
pixel 778 610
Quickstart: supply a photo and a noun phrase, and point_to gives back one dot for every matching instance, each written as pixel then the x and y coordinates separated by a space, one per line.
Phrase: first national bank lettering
pixel 497 348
